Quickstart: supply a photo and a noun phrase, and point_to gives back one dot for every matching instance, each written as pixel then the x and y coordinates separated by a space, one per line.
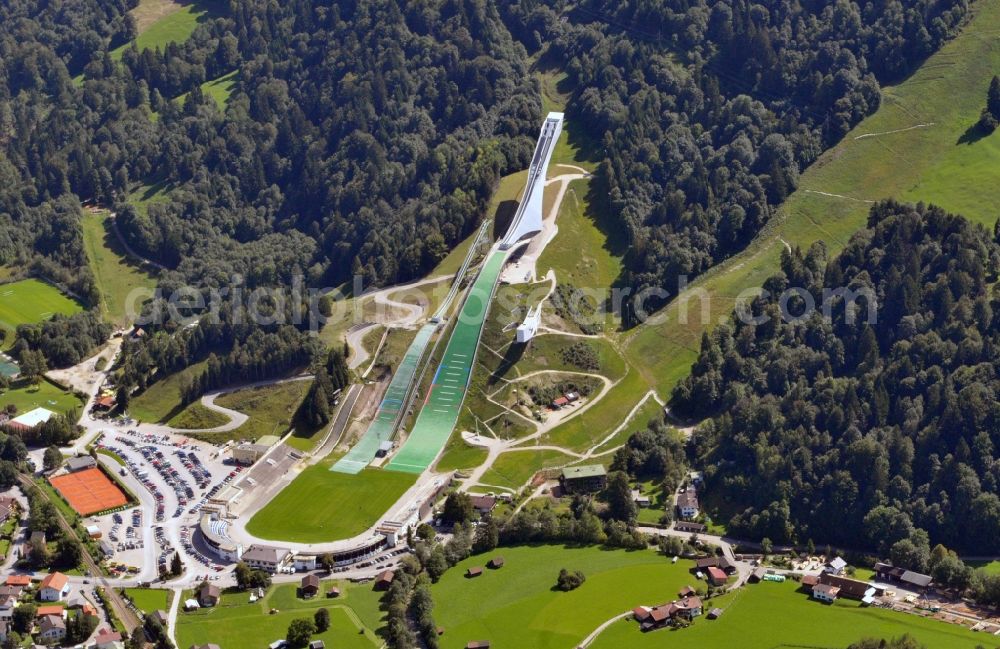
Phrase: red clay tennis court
pixel 89 491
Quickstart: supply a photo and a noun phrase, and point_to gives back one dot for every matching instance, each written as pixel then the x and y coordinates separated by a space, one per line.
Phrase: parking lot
pixel 173 476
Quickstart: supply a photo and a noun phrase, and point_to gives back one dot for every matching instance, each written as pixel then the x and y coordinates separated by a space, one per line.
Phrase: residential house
pixel 825 593
pixel 835 566
pixel 7 606
pixel 690 526
pixel 209 595
pixel 640 499
pixel 687 591
pixel 18 580
pixel 587 478
pixel 266 557
pixel 4 630
pixel 52 628
pixel 687 503
pixel 852 588
pixel 107 639
pixel 310 586
pixel 686 608
pixel 53 588
pixel 52 609
pixel 483 504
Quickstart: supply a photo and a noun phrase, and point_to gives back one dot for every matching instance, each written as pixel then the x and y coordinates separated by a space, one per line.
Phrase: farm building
pixel 908 578
pixel 309 586
pixel 384 580
pixel 495 563
pixel 716 576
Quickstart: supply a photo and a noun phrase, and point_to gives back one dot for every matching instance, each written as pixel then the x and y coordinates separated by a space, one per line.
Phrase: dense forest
pixel 865 431
pixel 705 112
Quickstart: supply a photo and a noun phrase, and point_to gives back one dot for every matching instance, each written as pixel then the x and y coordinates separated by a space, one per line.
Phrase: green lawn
pixel 145 195
pixel 937 164
pixel 219 89
pixel 517 606
pixel 770 615
pixel 117 277
pixel 175 27
pixel 197 417
pixel 149 599
pixel 459 455
pixel 271 410
pixel 44 395
pixel 30 301
pixel 238 624
pixel 162 400
pixel 323 505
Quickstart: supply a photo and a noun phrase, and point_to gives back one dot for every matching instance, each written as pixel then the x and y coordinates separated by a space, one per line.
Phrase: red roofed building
pixel 53 587
pixel 18 580
pixel 716 576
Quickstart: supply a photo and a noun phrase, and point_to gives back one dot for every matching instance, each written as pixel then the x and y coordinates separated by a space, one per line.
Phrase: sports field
pixel 89 491
pixel 322 505
pixel 770 615
pixel 30 301
pixel 238 624
pixel 439 412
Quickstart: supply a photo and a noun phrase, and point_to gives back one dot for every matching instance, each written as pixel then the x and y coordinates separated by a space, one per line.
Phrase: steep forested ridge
pixel 705 112
pixel 863 433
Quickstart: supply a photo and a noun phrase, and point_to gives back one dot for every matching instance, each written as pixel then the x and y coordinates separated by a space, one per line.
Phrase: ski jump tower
pixel 528 218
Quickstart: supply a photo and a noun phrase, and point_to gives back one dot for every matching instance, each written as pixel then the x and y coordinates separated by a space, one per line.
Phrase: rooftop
pixel 34 417
pixel 584 471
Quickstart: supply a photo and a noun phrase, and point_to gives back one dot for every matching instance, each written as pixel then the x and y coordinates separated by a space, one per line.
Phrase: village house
pixel 483 504
pixel 690 526
pixel 906 578
pixel 107 639
pixel 835 566
pixel 52 628
pixel 825 593
pixel 687 503
pixel 851 588
pixel 716 576
pixel 53 588
pixel 686 608
pixel 587 478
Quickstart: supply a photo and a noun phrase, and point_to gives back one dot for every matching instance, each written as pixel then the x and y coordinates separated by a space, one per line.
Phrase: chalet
pixel 825 593
pixel 474 571
pixel 835 566
pixel 495 563
pixel 53 588
pixel 716 576
pixel 310 586
pixel 687 503
pixel 483 504
pixel 384 580
pixel 586 478
pixel 687 591
pixel 52 628
pixel 209 595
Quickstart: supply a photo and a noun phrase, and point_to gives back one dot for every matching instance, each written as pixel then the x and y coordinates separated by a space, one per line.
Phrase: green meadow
pixel 30 301
pixel 174 27
pixel 238 624
pixel 770 615
pixel 117 276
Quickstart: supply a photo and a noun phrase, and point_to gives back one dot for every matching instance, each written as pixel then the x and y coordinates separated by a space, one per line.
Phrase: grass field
pixel 197 417
pixel 518 606
pixel 942 163
pixel 162 400
pixel 173 25
pixel 270 409
pixel 149 599
pixel 513 469
pixel 237 624
pixel 323 505
pixel 116 275
pixel 767 616
pixel 30 301
pixel 44 395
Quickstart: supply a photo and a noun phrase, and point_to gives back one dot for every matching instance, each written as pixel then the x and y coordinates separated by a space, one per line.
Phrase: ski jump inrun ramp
pixel 443 403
